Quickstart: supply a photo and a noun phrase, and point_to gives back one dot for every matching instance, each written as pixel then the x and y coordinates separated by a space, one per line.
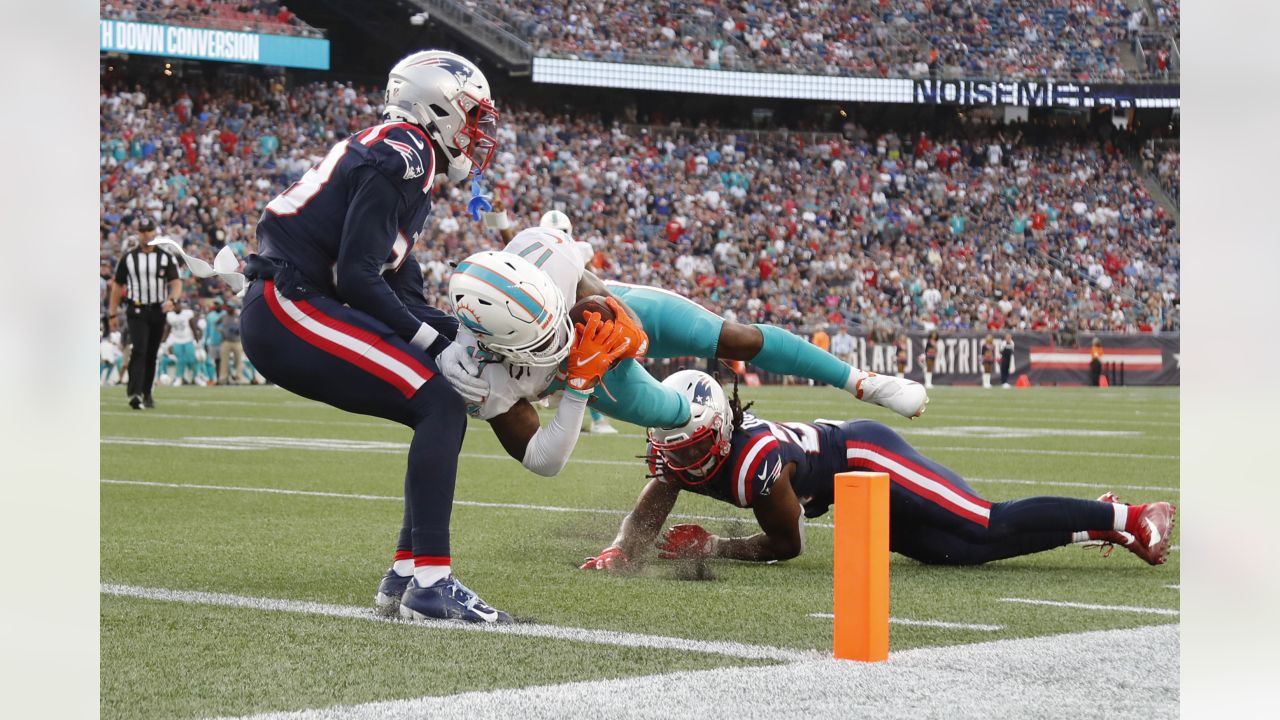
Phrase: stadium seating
pixel 261 16
pixel 968 231
pixel 1055 39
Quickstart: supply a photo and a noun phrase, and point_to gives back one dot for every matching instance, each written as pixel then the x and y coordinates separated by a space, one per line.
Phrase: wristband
pixel 497 221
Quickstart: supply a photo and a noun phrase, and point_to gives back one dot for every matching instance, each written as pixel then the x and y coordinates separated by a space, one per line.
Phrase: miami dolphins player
pixel 515 325
pixel 785 472
pixel 678 327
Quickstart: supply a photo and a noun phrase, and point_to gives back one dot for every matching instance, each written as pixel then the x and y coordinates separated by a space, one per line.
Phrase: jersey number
pixel 802 434
pixel 313 181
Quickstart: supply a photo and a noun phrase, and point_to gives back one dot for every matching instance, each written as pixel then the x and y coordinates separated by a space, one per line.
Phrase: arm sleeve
pixel 368 235
pixel 550 447
pixel 171 269
pixel 122 271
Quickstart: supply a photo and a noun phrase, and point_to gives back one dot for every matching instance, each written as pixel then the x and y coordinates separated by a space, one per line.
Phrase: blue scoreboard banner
pixel 179 41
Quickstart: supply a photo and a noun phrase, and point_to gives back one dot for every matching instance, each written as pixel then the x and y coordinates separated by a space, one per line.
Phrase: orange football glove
pixel 595 346
pixel 632 329
pixel 610 558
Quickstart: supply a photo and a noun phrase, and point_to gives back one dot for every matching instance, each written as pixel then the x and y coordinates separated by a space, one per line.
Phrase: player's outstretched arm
pixel 546 450
pixel 639 528
pixel 780 517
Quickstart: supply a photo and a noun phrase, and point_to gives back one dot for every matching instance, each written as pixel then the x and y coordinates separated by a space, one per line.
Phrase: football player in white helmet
pixel 785 472
pixel 679 327
pixel 514 315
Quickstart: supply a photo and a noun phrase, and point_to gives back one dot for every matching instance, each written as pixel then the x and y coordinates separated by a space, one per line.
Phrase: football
pixel 591 303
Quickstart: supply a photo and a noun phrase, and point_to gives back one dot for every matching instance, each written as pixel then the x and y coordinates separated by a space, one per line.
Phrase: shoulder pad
pixel 401 151
pixel 757 463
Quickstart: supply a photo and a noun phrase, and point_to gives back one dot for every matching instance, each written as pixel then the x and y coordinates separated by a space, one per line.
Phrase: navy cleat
pixel 387 601
pixel 447 600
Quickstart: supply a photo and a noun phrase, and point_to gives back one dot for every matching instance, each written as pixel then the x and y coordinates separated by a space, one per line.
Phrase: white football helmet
pixel 693 452
pixel 513 308
pixel 557 221
pixel 447 96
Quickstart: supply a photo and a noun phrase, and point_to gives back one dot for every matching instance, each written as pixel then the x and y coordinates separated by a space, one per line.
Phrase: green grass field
pixel 518 538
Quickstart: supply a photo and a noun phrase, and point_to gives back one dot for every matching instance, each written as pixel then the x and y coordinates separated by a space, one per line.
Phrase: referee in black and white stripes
pixel 149 277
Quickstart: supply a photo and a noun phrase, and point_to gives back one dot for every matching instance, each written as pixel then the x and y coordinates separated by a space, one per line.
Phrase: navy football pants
pixel 316 347
pixel 935 517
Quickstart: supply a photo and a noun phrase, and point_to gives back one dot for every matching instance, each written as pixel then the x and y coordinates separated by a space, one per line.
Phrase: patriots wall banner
pixel 1148 359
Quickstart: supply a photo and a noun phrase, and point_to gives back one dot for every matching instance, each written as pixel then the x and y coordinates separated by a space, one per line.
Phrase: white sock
pixel 851 385
pixel 928 378
pixel 1121 515
pixel 403 568
pixel 986 380
pixel 427 575
pixel 1080 536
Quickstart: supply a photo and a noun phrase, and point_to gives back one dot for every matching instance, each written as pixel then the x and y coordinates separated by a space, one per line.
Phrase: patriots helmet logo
pixel 459 70
pixel 413 165
pixel 702 392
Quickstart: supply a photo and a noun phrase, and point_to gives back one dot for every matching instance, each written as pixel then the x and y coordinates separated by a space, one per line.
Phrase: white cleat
pixel 905 397
pixel 603 428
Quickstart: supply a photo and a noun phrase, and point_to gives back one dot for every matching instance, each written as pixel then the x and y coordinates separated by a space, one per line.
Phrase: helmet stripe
pixel 506 287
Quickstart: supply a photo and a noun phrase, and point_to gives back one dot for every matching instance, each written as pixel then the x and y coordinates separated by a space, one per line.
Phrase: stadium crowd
pixel 1055 39
pixel 260 16
pixel 978 230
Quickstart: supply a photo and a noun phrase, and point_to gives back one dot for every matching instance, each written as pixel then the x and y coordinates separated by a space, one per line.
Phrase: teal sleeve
pixel 629 393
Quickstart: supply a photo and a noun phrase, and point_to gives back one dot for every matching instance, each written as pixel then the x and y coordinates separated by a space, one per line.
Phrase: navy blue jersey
pixel 823 448
pixel 353 219
pixel 761 449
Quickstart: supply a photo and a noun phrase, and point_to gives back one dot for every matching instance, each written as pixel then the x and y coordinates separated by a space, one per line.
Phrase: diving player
pixel 515 324
pixel 785 472
pixel 336 314
pixel 678 327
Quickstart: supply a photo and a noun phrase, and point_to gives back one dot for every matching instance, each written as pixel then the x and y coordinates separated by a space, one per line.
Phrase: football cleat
pixel 602 427
pixel 387 601
pixel 148 402
pixel 135 402
pixel 447 600
pixel 905 397
pixel 1150 539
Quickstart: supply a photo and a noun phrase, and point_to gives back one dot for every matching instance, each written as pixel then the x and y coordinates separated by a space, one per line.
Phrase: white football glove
pixel 463 373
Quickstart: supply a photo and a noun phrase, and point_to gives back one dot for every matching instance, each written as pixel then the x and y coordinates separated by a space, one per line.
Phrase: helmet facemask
pixel 547 351
pixel 692 458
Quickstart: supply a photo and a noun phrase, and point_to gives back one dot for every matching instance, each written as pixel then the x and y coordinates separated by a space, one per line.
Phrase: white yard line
pixel 1022 678
pixel 1088 606
pixel 468 503
pixel 1024 451
pixel 926 623
pixel 552 632
pixel 358 496
pixel 397 448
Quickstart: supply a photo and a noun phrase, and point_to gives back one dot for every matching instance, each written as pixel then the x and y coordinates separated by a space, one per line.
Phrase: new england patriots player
pixel 516 326
pixel 336 311
pixel 679 327
pixel 785 472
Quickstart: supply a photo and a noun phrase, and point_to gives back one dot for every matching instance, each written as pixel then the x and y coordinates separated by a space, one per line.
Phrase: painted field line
pixel 1065 483
pixel 386 424
pixel 1013 678
pixel 926 623
pixel 1174 587
pixel 389 498
pixel 552 632
pixel 211 443
pixel 1073 453
pixel 1088 606
pixel 376 447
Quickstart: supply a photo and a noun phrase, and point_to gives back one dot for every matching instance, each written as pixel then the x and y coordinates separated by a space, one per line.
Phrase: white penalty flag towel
pixel 225 264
